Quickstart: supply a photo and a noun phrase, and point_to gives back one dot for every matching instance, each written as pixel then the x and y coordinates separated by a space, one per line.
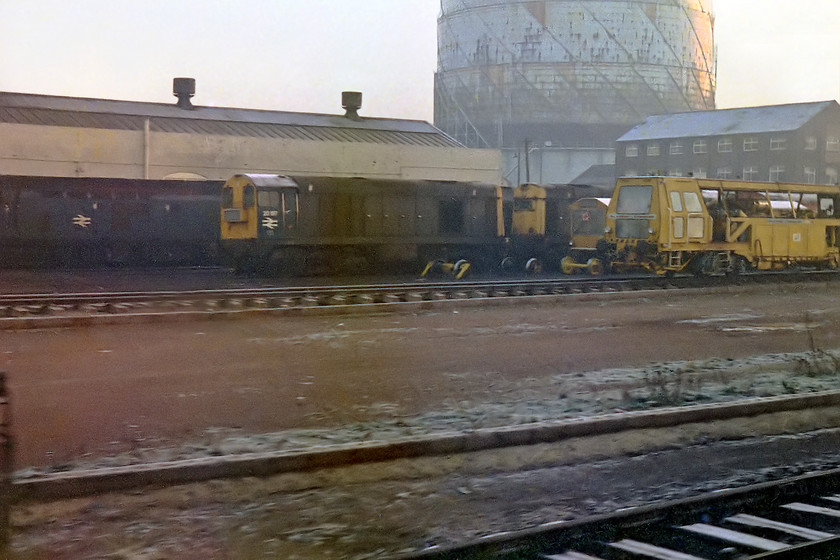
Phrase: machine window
pixel 634 199
pixel 679 227
pixel 692 202
pixel 696 227
pixel 676 202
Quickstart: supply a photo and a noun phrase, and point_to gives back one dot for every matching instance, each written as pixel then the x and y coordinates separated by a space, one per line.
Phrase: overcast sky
pixel 298 55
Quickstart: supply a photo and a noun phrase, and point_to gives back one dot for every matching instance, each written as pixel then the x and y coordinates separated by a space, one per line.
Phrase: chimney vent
pixel 184 89
pixel 351 102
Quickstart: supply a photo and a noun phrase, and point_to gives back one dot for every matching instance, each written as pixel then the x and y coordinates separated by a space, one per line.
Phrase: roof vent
pixel 184 89
pixel 351 102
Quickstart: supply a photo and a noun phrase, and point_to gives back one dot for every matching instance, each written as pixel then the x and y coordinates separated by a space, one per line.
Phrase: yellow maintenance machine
pixel 707 226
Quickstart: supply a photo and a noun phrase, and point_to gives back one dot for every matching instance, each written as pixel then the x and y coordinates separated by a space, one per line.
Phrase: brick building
pixel 797 143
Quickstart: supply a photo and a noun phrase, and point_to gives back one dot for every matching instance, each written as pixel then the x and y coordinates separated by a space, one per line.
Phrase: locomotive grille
pixel 233 215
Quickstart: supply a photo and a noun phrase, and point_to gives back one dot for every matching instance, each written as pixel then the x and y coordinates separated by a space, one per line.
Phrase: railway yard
pixel 382 430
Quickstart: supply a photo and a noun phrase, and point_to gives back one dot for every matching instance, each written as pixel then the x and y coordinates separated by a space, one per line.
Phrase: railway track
pixel 228 300
pixel 791 519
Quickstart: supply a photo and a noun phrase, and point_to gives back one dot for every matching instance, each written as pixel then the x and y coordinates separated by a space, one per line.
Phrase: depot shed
pixel 68 136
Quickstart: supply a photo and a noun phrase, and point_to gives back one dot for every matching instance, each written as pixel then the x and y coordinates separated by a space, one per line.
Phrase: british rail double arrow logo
pixel 81 221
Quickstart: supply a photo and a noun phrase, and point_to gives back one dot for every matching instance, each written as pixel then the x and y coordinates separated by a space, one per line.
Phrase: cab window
pixel 248 196
pixel 227 197
pixel 634 199
pixel 270 199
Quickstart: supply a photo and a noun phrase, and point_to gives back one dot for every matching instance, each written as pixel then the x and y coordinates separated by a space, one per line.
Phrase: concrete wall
pixel 552 165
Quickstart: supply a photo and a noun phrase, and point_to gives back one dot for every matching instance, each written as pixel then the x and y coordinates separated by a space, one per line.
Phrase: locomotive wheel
pixel 461 268
pixel 533 266
pixel 506 265
pixel 738 266
pixel 567 265
pixel 595 267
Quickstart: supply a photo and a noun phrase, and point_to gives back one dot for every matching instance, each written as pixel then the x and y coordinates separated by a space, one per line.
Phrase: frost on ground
pixel 508 403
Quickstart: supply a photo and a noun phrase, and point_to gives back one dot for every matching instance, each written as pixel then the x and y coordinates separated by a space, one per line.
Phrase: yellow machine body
pixel 668 224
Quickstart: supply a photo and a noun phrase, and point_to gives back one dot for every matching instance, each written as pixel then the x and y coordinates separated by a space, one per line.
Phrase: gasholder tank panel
pixel 571 72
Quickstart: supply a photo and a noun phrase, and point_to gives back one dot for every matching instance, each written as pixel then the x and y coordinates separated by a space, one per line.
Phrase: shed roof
pixel 46 110
pixel 744 120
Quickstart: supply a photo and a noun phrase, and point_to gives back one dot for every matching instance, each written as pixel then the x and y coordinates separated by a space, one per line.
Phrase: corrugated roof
pixel 23 108
pixel 746 120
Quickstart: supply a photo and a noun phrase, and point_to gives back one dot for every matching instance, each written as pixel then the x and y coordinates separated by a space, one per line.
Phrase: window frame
pixel 750 173
pixel 778 143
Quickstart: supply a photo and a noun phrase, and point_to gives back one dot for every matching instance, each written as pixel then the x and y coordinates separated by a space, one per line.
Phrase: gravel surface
pixel 526 401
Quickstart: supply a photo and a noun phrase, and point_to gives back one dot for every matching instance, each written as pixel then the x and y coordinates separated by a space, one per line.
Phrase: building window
pixel 778 143
pixel 750 173
pixel 675 173
pixel 699 172
pixel 676 148
pixel 811 143
pixel 653 149
pixel 830 176
pixel 700 147
pixel 811 175
pixel 724 173
pixel 631 173
pixel 725 145
pixel 632 150
pixel 832 144
pixel 751 144
pixel 777 173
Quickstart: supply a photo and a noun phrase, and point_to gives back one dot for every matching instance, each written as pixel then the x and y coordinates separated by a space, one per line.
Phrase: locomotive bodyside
pixel 74 221
pixel 305 225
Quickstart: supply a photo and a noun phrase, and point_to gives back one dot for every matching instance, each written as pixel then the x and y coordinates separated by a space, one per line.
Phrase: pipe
pixel 147 148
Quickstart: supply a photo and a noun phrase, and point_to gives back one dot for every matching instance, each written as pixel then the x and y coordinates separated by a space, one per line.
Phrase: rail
pixel 15 308
pixel 796 518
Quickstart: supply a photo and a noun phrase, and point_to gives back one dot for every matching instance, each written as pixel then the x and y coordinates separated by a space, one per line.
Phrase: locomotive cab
pixel 255 209
pixel 587 218
pixel 540 224
pixel 656 223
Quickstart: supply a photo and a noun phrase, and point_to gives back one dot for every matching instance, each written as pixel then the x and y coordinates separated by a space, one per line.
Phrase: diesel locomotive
pixel 277 224
pixel 75 221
